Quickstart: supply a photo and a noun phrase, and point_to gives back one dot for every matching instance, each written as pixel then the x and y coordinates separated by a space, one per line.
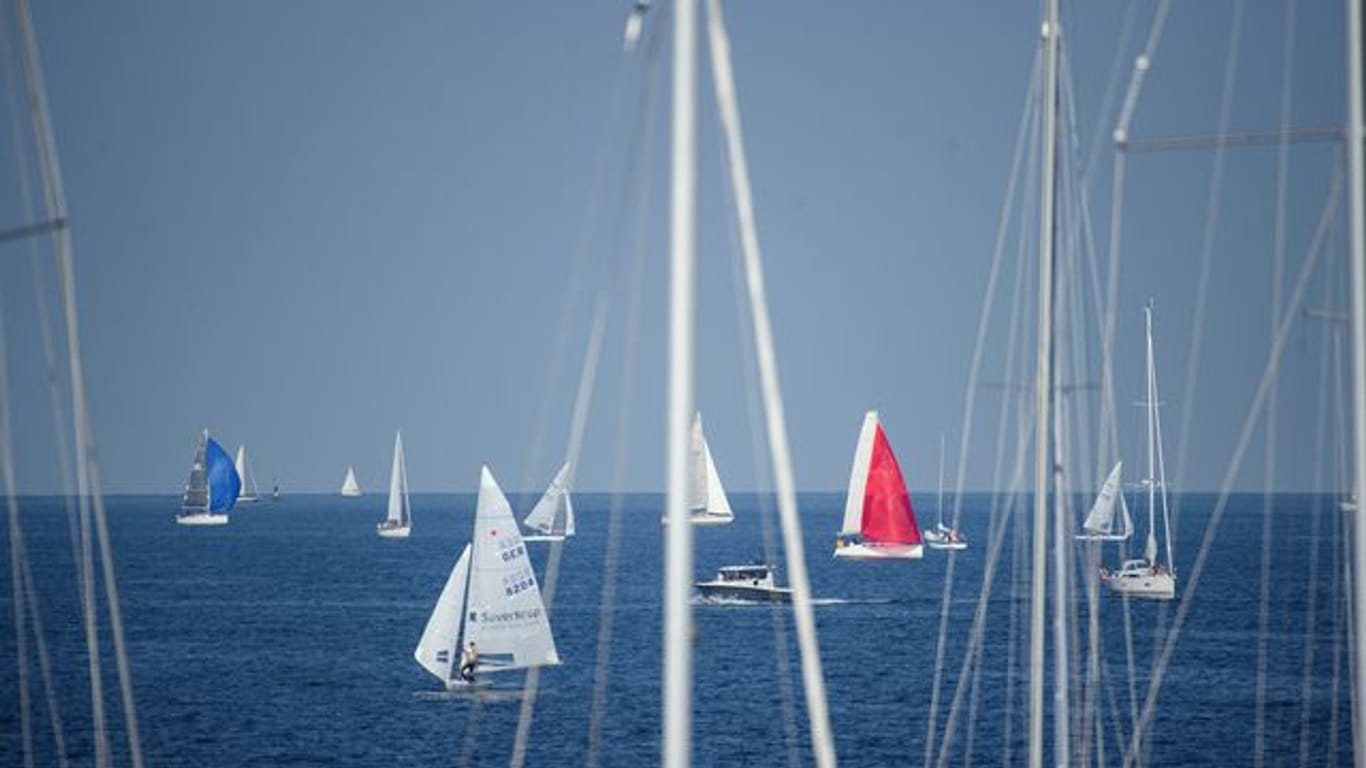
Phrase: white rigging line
pixel 1269 484
pixel 88 482
pixel 1022 140
pixel 1356 199
pixel 1043 392
pixel 822 743
pixel 1212 215
pixel 677 704
pixel 1168 645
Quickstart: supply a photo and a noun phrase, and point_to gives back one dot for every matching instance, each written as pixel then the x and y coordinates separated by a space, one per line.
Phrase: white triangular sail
pixel 553 515
pixel 400 513
pixel 437 651
pixel 349 486
pixel 1101 522
pixel 504 614
pixel 707 497
pixel 249 490
pixel 858 477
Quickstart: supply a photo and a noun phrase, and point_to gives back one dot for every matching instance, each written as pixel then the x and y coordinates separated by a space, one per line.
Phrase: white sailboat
pixel 213 485
pixel 1147 577
pixel 1101 523
pixel 349 486
pixel 249 490
pixel 399 522
pixel 489 616
pixel 943 536
pixel 553 516
pixel 707 503
pixel 878 520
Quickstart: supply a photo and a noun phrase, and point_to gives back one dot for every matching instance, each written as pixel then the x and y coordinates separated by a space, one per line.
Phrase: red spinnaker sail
pixel 887 513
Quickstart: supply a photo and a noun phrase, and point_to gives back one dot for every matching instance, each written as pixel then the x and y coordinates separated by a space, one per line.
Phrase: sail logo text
pixel 505 617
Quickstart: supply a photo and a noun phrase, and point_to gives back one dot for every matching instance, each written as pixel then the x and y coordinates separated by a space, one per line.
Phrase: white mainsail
pixel 503 612
pixel 708 502
pixel 553 514
pixel 1100 522
pixel 858 477
pixel 249 490
pixel 349 486
pixel 400 513
pixel 437 651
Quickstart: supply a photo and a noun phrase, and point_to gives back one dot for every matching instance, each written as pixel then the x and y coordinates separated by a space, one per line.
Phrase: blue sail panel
pixel 224 484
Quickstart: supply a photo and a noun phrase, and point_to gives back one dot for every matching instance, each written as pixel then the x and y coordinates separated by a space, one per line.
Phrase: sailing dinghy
pixel 707 503
pixel 878 520
pixel 349 486
pixel 943 536
pixel 491 602
pixel 213 485
pixel 553 516
pixel 249 490
pixel 1101 523
pixel 399 522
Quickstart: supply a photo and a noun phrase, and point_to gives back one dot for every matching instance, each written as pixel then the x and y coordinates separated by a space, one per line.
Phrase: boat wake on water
pixel 482 693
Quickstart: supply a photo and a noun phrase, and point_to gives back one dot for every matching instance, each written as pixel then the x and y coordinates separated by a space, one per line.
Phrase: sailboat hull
pixel 702 518
pixel 544 537
pixel 393 531
pixel 350 494
pixel 202 518
pixel 247 499
pixel 953 546
pixel 870 551
pixel 1143 584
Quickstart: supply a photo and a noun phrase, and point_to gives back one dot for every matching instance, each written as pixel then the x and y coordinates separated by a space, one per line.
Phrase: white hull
pixel 953 546
pixel 704 519
pixel 394 531
pixel 1092 537
pixel 544 537
pixel 202 518
pixel 247 499
pixel 350 494
pixel 1145 584
pixel 1347 505
pixel 881 551
pixel 728 592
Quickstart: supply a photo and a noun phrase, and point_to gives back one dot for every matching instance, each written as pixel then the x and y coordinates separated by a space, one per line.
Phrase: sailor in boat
pixel 468 660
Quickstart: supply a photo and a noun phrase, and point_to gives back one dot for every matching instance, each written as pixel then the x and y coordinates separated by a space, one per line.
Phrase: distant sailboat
pixel 878 520
pixel 707 504
pixel 349 486
pixel 943 536
pixel 1101 524
pixel 213 485
pixel 250 492
pixel 1147 577
pixel 491 601
pixel 399 522
pixel 553 516
pixel 275 492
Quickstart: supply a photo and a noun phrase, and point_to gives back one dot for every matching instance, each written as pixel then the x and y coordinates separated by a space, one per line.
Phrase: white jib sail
pixel 436 651
pixel 858 477
pixel 504 613
pixel 1100 523
pixel 249 489
pixel 717 503
pixel 399 511
pixel 554 513
pixel 349 486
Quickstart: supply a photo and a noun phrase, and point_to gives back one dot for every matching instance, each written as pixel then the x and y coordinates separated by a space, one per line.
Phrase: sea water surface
pixel 286 638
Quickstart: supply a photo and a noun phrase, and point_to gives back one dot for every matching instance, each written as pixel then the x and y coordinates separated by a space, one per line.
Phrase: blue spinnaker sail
pixel 224 484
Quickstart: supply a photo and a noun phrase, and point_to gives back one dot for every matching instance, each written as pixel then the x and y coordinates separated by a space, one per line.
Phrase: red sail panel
pixel 887 513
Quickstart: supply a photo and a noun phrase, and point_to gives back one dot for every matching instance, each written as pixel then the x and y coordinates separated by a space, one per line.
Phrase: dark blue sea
pixel 286 638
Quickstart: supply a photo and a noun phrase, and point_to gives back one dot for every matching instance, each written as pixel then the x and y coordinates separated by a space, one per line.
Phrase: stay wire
pixel 1168 645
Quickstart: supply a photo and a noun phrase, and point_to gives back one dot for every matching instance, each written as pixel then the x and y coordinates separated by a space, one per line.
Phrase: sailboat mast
pixel 1043 391
pixel 1356 199
pixel 940 502
pixel 677 715
pixel 1150 547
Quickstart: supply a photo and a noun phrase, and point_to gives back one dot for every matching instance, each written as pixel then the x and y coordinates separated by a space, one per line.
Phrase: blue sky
pixel 304 225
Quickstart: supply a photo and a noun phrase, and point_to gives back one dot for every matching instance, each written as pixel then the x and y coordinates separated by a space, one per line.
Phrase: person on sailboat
pixel 468 660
